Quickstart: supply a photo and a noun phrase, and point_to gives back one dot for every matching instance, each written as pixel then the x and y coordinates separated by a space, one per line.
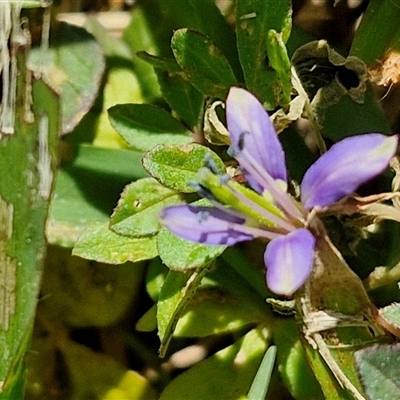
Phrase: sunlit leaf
pixel 177 290
pixel 206 67
pixel 292 362
pixel 140 36
pixel 177 166
pixel 118 78
pixel 389 318
pixel 87 190
pixel 254 19
pixel 138 208
pixel 223 303
pixel 181 255
pixel 225 375
pixel 165 16
pixel 261 381
pixel 143 126
pixel 101 244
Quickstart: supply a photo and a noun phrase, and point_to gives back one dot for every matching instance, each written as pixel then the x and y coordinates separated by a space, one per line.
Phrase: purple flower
pixel 267 210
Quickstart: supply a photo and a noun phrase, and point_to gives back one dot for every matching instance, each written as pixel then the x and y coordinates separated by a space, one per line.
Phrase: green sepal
pixel 224 192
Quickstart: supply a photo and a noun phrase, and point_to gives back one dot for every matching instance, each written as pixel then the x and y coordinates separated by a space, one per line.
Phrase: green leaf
pixel 156 274
pixel 176 89
pixel 280 62
pixel 74 65
pixel 100 244
pixel 143 126
pixel 292 362
pixel 165 16
pixel 177 290
pixel 148 321
pixel 182 97
pixel 119 77
pixel 379 31
pixel 28 158
pixel 225 375
pixel 390 318
pixel 87 189
pixel 260 384
pixel 224 302
pixel 102 377
pixel 392 314
pixel 378 367
pixel 325 297
pixel 365 117
pixel 177 166
pixel 164 63
pixel 330 387
pixel 139 36
pixel 138 207
pixel 206 67
pixel 111 45
pixel 254 19
pixel 32 4
pixel 181 255
pixel 80 288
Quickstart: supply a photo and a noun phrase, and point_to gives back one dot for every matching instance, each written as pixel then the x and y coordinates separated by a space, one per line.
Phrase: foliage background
pixel 95 333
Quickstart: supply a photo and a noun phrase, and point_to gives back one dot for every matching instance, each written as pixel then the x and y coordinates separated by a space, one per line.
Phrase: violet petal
pixel 208 225
pixel 345 166
pixel 289 261
pixel 250 127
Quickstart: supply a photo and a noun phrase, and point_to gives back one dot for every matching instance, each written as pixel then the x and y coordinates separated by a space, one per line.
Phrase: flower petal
pixel 208 225
pixel 345 166
pixel 250 128
pixel 289 260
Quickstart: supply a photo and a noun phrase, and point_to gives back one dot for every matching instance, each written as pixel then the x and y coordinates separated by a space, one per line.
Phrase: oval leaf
pixel 207 68
pixel 182 97
pixel 254 19
pixel 181 255
pixel 101 244
pixel 379 367
pixel 177 166
pixel 74 65
pixel 143 126
pixel 86 190
pixel 175 294
pixel 138 207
